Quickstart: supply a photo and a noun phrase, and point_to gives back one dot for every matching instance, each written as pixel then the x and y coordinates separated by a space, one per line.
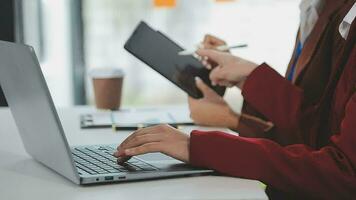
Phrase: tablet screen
pixel 161 54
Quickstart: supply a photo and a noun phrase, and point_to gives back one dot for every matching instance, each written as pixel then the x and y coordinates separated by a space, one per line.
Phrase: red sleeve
pixel 254 124
pixel 279 101
pixel 281 104
pixel 328 173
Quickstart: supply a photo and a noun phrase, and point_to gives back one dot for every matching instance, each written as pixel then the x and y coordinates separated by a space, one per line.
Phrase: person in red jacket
pixel 314 169
pixel 317 45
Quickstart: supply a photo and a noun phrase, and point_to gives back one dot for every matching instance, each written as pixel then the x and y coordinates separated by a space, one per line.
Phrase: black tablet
pixel 161 54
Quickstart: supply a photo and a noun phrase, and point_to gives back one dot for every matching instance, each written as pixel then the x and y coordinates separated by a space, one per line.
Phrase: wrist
pixel 240 84
pixel 247 67
pixel 233 121
pixel 251 67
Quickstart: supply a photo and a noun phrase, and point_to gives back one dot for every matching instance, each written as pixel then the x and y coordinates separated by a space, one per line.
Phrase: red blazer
pixel 314 70
pixel 323 165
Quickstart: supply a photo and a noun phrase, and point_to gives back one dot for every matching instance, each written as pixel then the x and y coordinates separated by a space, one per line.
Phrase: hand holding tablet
pixel 161 54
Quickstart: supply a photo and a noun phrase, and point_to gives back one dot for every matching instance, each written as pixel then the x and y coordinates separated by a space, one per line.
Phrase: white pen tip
pixel 185 53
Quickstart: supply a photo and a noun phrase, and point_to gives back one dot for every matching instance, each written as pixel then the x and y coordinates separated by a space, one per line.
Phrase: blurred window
pixel 71 37
pixel 268 26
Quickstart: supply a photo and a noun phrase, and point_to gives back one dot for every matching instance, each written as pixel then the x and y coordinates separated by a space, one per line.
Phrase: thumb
pixel 213 55
pixel 205 89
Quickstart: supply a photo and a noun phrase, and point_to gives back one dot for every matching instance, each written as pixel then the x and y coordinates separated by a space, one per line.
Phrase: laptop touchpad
pixel 154 157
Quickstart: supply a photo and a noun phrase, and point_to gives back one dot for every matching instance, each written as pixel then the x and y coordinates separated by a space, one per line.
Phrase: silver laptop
pixel 44 139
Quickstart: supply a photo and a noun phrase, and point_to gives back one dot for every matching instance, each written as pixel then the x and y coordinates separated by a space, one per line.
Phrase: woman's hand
pixel 230 71
pixel 211 110
pixel 160 138
pixel 211 42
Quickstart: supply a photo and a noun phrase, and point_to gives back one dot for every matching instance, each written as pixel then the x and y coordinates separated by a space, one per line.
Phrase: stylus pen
pixel 218 48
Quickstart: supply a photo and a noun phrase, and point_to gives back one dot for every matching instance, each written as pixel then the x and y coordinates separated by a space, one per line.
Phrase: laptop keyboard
pixel 99 160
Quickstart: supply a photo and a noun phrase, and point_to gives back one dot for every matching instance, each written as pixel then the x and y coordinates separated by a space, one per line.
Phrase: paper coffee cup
pixel 107 83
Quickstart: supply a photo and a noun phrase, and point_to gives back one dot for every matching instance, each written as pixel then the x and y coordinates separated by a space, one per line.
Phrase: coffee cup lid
pixel 106 72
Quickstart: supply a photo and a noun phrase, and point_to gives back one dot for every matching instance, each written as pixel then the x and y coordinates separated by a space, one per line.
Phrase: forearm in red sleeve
pixel 278 100
pixel 327 173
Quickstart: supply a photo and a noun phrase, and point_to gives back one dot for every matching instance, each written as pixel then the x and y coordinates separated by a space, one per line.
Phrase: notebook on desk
pixel 132 119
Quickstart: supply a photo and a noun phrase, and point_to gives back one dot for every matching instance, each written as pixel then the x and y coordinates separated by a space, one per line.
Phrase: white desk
pixel 23 178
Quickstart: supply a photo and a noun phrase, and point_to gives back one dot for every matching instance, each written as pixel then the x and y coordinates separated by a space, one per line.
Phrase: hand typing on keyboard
pixel 99 160
pixel 161 138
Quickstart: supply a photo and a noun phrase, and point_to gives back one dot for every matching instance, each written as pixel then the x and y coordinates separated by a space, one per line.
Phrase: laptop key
pixel 90 171
pixel 81 172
